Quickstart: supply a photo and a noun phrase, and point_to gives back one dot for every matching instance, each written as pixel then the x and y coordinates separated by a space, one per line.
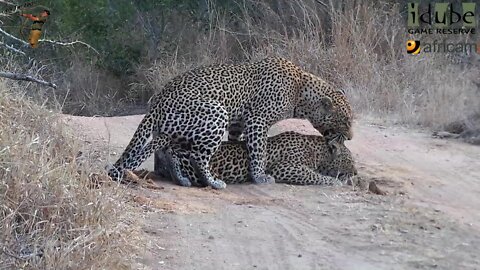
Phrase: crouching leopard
pixel 291 158
pixel 193 111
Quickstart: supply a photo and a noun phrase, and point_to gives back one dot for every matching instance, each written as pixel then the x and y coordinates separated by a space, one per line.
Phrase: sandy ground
pixel 428 220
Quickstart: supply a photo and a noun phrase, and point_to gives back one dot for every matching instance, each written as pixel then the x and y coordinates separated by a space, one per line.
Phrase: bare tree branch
pixel 69 43
pixel 13 48
pixel 50 41
pixel 23 77
pixel 13 37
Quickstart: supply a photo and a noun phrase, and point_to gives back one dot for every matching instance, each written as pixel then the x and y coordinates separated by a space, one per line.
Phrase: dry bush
pixel 87 90
pixel 49 218
pixel 427 91
pixel 368 51
pixel 365 55
pixel 151 78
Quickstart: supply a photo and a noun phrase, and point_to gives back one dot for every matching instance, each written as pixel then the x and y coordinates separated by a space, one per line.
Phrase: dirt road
pixel 429 219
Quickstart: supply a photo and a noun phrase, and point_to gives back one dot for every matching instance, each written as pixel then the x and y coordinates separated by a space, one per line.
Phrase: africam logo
pixel 467 48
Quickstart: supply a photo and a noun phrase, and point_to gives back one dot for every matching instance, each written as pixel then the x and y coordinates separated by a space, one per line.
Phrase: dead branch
pixel 13 37
pixel 69 43
pixel 50 41
pixel 23 77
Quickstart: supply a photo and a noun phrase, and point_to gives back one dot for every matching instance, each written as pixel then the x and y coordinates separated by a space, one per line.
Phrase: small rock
pixel 372 187
pixel 211 237
pixel 299 255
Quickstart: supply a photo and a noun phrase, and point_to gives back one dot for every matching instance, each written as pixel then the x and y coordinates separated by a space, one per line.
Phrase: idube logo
pixel 441 18
pixel 413 47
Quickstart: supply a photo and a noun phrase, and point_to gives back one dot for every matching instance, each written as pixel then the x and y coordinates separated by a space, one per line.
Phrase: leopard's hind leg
pixel 175 168
pixel 202 124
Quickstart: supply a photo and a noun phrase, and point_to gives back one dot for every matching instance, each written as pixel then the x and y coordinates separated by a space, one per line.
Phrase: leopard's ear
pixel 326 103
pixel 323 104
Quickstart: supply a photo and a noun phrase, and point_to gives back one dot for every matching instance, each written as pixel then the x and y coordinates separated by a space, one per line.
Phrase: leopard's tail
pixel 134 149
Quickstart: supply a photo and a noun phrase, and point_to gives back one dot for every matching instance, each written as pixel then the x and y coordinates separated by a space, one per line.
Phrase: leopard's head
pixel 329 113
pixel 341 162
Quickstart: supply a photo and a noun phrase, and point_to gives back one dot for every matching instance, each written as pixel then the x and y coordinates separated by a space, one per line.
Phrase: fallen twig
pixel 23 77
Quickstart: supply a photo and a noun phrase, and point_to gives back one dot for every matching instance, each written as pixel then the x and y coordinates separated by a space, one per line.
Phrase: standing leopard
pixel 291 158
pixel 194 109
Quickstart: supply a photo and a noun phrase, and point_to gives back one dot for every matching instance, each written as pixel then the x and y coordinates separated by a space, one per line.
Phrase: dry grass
pixel 49 218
